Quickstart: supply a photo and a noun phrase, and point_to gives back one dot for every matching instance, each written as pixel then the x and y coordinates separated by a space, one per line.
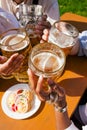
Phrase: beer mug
pixel 12 41
pixel 64 35
pixel 28 18
pixel 48 60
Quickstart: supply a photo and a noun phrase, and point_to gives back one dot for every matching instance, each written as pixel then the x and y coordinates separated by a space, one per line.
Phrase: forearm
pixel 62 120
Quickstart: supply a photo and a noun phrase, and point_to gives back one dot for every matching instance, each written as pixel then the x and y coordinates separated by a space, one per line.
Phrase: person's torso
pixel 50 7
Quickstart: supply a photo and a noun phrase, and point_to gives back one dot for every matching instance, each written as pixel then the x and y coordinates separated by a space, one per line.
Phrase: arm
pixel 57 97
pixel 62 120
pixel 60 106
pixel 51 9
pixel 83 44
pixel 7 21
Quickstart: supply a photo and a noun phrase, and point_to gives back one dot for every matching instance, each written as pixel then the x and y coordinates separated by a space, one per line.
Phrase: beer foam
pixel 13 42
pixel 47 61
pixel 60 39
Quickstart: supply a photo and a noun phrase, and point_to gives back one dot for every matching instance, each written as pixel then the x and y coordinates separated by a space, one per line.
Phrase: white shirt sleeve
pixel 7 21
pixel 84 127
pixel 72 127
pixel 53 13
pixel 83 44
pixel 51 9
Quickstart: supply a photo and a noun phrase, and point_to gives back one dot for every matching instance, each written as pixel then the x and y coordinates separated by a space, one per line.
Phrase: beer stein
pixel 16 41
pixel 48 60
pixel 28 18
pixel 64 35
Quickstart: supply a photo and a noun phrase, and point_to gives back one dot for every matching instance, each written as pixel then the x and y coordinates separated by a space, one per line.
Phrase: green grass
pixel 74 6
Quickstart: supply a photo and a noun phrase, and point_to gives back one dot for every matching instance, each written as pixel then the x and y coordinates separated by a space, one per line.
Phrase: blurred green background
pixel 74 6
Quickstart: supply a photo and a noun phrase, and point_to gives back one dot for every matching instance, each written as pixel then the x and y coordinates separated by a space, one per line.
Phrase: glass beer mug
pixel 48 60
pixel 28 18
pixel 64 35
pixel 12 41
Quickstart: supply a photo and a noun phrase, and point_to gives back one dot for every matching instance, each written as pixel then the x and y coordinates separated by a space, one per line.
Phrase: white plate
pixel 15 115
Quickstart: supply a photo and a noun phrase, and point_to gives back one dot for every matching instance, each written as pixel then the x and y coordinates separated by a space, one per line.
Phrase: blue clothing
pixel 83 44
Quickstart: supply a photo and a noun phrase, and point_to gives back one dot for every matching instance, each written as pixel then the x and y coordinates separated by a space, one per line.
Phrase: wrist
pixel 61 109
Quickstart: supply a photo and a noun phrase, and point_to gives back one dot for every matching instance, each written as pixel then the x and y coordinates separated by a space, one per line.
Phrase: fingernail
pixel 41 77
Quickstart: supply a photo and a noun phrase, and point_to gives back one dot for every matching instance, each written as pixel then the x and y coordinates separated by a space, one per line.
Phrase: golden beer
pixel 64 35
pixel 48 60
pixel 13 41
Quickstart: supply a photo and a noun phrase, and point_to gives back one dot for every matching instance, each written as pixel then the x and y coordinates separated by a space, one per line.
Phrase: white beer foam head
pixel 13 42
pixel 47 62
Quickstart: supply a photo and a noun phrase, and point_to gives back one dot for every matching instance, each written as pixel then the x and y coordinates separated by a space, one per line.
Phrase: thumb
pixel 2 59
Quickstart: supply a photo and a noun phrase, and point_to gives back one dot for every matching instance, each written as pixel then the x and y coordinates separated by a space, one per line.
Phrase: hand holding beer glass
pixel 29 15
pixel 64 35
pixel 16 41
pixel 48 60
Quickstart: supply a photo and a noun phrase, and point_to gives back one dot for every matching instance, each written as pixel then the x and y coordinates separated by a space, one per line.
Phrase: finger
pixel 46 31
pixel 32 79
pixel 59 90
pixel 3 59
pixel 45 24
pixel 12 64
pixel 43 18
pixel 42 41
pixel 51 83
pixel 39 33
pixel 42 94
pixel 16 59
pixel 12 59
pixel 39 88
pixel 45 35
pixel 16 65
pixel 55 87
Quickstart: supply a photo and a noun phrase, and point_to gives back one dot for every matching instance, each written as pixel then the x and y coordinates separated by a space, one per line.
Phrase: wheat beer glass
pixel 64 35
pixel 28 17
pixel 12 41
pixel 48 60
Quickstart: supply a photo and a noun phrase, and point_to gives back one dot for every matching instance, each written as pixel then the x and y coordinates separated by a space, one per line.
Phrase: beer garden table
pixel 74 80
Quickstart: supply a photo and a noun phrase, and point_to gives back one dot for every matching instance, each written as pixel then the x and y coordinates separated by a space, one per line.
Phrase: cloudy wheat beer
pixel 16 40
pixel 48 60
pixel 64 35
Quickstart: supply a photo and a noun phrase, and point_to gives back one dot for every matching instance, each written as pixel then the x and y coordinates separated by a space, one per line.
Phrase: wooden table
pixel 74 80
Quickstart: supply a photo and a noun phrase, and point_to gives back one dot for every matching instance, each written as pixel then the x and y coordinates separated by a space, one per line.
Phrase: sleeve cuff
pixel 83 44
pixel 72 127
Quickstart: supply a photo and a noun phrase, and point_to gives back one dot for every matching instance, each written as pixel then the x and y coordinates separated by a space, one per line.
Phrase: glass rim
pixel 67 34
pixel 30 8
pixel 44 44
pixel 13 29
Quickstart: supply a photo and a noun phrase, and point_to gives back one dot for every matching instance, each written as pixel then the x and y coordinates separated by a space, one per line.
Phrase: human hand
pixel 55 94
pixel 20 1
pixel 36 84
pixel 3 59
pixel 9 66
pixel 42 24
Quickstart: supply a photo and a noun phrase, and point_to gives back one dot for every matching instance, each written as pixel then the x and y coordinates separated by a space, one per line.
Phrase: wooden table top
pixel 74 80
